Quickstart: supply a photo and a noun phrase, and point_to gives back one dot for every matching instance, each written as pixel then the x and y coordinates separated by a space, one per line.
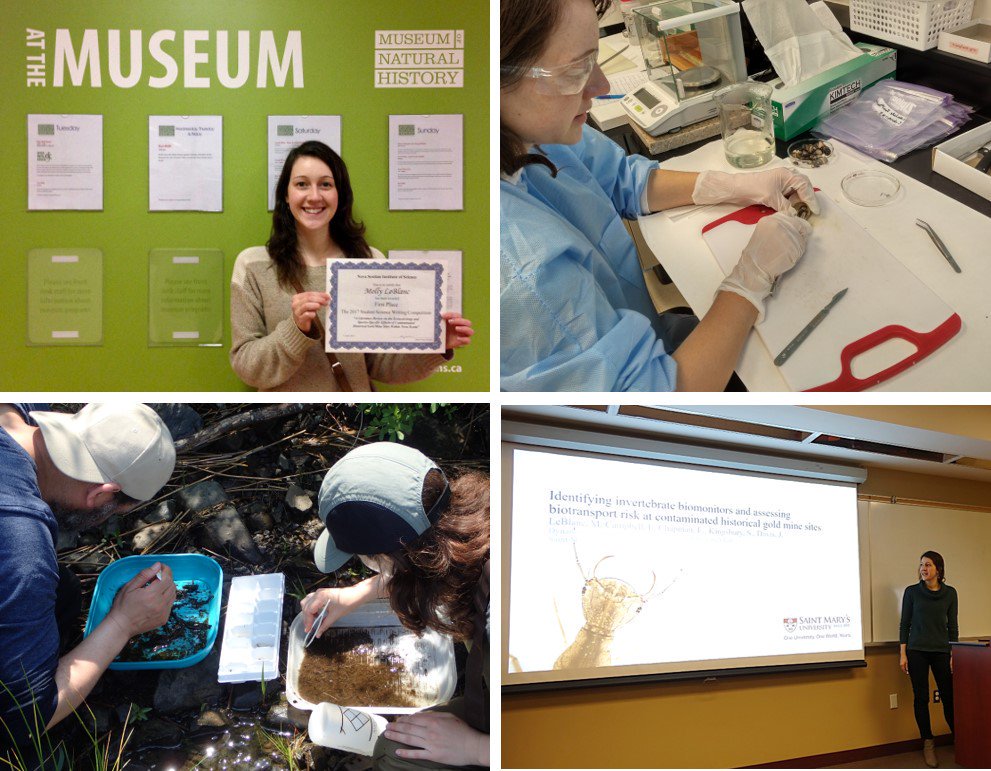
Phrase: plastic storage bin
pixel 197 570
pixel 429 658
pixel 252 629
pixel 912 23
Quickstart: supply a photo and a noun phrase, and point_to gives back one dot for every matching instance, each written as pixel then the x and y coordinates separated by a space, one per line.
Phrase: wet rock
pixel 67 539
pixel 202 495
pixel 246 695
pixel 212 718
pixel 283 716
pixel 146 537
pixel 298 499
pixel 156 734
pixel 225 533
pixel 315 756
pixel 89 538
pixel 163 512
pixel 181 419
pixel 181 689
pixel 259 521
pixel 285 465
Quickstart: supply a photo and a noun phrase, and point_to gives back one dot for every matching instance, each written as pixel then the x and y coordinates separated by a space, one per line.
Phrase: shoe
pixel 929 753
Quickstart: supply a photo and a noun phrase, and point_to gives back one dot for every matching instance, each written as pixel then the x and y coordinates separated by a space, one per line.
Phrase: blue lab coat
pixel 576 315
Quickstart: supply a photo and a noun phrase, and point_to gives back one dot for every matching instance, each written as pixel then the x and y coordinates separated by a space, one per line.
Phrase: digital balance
pixel 691 49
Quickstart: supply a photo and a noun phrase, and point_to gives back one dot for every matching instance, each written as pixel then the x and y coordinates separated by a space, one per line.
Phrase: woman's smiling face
pixel 555 118
pixel 312 194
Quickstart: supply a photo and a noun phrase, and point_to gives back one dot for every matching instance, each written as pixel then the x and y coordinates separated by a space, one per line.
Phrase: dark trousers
pixel 919 664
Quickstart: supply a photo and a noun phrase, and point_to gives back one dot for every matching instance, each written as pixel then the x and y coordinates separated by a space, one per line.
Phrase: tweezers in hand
pixel 312 634
pixel 939 244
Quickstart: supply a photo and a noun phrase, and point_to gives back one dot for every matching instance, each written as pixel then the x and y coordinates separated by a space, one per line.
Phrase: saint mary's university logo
pixel 791 624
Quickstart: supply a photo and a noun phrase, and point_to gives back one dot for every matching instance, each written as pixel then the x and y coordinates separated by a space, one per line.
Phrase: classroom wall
pixel 733 721
pixel 338 67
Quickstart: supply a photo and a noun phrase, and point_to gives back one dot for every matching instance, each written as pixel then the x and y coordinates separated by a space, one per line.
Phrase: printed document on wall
pixel 65 162
pixel 426 162
pixel 288 131
pixel 185 163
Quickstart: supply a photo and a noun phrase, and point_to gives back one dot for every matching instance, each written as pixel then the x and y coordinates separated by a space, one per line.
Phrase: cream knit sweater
pixel 269 352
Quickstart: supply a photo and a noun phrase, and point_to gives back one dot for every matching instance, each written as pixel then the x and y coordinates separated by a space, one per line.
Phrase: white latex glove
pixel 776 245
pixel 770 187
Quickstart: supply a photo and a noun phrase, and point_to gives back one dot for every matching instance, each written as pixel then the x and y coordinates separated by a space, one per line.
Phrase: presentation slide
pixel 625 567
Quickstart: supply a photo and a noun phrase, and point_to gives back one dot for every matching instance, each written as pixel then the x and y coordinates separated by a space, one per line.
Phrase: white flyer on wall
pixel 288 131
pixel 65 162
pixel 426 162
pixel 185 163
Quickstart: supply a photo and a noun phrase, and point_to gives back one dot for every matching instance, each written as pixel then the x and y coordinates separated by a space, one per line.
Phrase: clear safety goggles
pixel 564 79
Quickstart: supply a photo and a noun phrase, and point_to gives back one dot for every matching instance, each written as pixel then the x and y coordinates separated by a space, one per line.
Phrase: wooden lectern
pixel 972 703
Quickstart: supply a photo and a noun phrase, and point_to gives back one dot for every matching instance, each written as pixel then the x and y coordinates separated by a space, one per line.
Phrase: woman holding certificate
pixel 278 291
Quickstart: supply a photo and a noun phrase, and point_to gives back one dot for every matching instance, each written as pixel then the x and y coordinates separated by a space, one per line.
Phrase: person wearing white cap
pixel 428 540
pixel 72 471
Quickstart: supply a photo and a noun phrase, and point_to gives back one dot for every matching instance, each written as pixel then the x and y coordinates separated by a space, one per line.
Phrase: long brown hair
pixel 434 577
pixel 525 26
pixel 347 233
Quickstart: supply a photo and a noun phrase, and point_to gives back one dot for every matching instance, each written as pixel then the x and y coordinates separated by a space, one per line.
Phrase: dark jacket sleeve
pixel 951 619
pixel 906 622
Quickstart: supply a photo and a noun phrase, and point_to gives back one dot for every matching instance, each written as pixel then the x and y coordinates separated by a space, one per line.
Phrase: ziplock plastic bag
pixel 892 118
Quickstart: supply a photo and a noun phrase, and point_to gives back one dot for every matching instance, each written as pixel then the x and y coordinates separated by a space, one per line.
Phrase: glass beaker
pixel 747 124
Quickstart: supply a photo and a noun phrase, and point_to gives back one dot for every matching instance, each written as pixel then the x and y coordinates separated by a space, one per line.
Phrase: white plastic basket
pixel 912 23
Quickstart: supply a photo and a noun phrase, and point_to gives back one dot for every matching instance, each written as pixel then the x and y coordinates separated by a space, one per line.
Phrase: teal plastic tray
pixel 203 572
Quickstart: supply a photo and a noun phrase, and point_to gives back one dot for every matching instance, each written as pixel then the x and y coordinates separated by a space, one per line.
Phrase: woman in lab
pixel 576 314
pixel 928 626
pixel 428 540
pixel 278 290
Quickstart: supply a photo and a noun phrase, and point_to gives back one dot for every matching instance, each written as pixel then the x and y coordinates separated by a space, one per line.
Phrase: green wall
pixel 338 61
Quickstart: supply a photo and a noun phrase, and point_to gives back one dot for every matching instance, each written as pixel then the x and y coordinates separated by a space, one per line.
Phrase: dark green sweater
pixel 929 619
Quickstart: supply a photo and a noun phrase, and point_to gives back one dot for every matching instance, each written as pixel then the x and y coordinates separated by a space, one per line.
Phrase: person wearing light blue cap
pixel 427 538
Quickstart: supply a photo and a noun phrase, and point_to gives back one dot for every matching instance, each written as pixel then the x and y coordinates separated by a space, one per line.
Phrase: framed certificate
pixel 379 306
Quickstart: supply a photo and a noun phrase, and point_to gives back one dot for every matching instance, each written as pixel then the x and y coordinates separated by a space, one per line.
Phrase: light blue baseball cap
pixel 371 502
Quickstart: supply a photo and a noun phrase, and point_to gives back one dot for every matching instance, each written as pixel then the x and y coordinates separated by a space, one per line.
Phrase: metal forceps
pixel 939 244
pixel 312 634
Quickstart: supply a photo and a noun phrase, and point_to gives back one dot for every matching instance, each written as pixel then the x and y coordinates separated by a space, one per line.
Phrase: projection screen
pixel 623 567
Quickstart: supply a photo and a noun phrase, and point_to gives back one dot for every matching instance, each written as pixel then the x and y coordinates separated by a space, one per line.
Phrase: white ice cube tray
pixel 253 625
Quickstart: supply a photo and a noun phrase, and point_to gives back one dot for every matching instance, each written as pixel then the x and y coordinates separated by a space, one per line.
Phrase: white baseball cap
pixel 371 502
pixel 124 443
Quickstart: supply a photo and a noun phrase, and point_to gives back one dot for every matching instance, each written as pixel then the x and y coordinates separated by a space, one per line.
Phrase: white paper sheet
pixel 452 260
pixel 65 162
pixel 426 162
pixel 185 163
pixel 385 306
pixel 288 131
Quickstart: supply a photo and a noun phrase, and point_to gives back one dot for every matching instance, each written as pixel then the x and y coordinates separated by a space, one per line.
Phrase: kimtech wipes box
pixel 800 107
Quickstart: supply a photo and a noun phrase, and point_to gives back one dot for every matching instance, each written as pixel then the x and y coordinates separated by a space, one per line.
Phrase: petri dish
pixel 810 153
pixel 699 77
pixel 870 187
